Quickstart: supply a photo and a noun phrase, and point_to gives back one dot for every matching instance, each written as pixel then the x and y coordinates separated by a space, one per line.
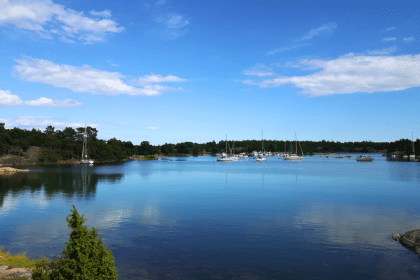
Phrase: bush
pixel 84 258
pixel 149 157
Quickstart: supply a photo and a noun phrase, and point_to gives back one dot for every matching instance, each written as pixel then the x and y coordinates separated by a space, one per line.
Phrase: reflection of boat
pixel 85 158
pixel 364 158
pixel 224 156
pixel 294 156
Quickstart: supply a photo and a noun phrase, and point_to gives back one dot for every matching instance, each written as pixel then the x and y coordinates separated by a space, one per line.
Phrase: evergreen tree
pixel 84 258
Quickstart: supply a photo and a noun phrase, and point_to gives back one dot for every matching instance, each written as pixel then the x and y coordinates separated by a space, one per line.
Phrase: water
pixel 195 218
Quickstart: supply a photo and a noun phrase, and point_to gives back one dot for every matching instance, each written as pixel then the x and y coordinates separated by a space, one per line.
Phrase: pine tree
pixel 85 257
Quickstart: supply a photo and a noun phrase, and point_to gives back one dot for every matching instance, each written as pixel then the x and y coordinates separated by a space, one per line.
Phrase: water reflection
pixel 80 183
pixel 345 223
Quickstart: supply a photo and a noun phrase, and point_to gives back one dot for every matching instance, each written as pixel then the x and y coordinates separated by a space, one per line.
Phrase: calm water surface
pixel 195 218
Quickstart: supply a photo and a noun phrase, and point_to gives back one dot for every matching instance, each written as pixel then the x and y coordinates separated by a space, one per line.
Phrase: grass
pixel 19 260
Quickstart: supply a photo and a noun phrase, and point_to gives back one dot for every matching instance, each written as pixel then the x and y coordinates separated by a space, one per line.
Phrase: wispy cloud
pixel 260 70
pixel 152 127
pixel 285 48
pixel 40 122
pixel 389 39
pixel 389 28
pixel 383 51
pixel 104 14
pixel 9 100
pixel 87 79
pixel 408 39
pixel 172 26
pixel 350 74
pixel 50 20
pixel 326 29
pixel 153 79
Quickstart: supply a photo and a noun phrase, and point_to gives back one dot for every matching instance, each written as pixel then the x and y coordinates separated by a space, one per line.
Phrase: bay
pixel 195 218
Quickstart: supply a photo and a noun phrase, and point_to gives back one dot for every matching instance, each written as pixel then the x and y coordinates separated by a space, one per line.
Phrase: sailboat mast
pixel 412 140
pixel 296 142
pixel 262 141
pixel 226 144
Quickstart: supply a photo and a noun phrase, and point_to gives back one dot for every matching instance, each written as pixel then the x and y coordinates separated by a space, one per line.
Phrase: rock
pixel 11 273
pixel 396 237
pixel 410 240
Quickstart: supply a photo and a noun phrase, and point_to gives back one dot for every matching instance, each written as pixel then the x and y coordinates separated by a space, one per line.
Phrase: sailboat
pixel 85 159
pixel 294 156
pixel 261 156
pixel 224 156
pixel 413 155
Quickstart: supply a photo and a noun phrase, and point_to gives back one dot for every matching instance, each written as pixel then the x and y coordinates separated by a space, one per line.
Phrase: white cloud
pixel 104 14
pixel 350 74
pixel 387 39
pixel 88 79
pixel 408 39
pixel 9 100
pixel 176 21
pixel 285 49
pixel 259 73
pixel 325 29
pixel 152 127
pixel 40 122
pixel 383 51
pixel 152 79
pixel 260 70
pixel 171 25
pixel 49 19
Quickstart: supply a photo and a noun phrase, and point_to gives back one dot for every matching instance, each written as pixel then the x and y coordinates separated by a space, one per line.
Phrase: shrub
pixel 85 257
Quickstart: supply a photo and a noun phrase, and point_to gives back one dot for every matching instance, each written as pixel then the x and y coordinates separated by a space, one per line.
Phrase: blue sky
pixel 172 71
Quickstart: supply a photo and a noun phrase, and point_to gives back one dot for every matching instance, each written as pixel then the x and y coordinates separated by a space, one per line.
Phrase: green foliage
pixel 182 148
pixel 48 156
pixel 195 151
pixel 85 257
pixel 151 157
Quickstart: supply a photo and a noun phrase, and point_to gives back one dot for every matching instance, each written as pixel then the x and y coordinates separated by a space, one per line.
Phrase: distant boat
pixel 224 156
pixel 413 156
pixel 364 158
pixel 85 158
pixel 261 156
pixel 294 156
pixel 243 156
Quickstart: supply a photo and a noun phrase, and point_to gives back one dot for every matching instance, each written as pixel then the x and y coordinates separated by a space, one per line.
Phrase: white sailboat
pixel 261 156
pixel 294 156
pixel 413 155
pixel 224 156
pixel 85 159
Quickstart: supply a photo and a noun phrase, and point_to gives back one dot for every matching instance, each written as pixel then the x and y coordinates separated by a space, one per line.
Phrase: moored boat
pixel 294 156
pixel 85 159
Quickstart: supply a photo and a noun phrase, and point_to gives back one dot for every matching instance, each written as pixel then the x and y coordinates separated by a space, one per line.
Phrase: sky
pixel 174 71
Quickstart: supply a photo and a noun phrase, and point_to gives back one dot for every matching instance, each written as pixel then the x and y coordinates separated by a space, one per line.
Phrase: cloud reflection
pixel 351 224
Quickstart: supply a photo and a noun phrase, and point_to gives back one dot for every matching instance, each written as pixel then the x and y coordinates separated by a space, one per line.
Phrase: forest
pixel 67 144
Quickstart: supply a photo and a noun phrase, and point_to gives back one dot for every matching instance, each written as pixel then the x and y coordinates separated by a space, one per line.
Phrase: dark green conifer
pixel 85 257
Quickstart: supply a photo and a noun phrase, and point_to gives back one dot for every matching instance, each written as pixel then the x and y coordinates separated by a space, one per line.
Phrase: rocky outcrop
pixel 410 240
pixel 30 157
pixel 12 273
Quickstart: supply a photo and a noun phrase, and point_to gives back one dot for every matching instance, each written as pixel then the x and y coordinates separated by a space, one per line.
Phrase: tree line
pixel 67 144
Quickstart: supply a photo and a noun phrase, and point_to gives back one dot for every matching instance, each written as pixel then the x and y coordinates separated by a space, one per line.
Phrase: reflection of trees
pixel 81 184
